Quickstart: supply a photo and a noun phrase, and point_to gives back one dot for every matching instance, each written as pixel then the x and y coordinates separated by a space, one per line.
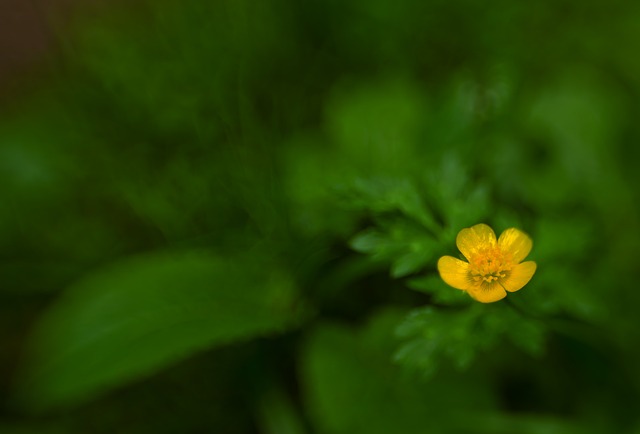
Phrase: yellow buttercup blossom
pixel 494 267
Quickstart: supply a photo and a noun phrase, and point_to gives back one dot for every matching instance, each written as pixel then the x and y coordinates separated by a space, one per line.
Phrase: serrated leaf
pixel 351 385
pixel 140 315
pixel 381 195
pixel 441 292
pixel 461 200
pixel 431 335
pixel 403 243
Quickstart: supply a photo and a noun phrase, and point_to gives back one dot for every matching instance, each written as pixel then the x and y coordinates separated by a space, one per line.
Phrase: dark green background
pixel 224 216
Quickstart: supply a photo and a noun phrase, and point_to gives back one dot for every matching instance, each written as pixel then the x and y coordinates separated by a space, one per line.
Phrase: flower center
pixel 490 264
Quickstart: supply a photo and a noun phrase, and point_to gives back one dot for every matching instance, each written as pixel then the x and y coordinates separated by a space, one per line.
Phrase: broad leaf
pixel 138 316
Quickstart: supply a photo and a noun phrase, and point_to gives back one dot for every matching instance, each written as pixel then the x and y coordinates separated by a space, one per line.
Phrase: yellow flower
pixel 494 267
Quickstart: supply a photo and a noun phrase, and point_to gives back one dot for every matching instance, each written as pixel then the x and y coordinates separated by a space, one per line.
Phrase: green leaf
pixel 441 292
pixel 277 413
pixel 462 200
pixel 410 262
pixel 431 335
pixel 382 195
pixel 368 241
pixel 434 335
pixel 403 244
pixel 138 316
pixel 352 386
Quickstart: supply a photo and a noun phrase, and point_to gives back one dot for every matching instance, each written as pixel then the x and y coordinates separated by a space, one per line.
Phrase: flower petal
pixel 488 292
pixel 478 237
pixel 520 275
pixel 515 242
pixel 454 272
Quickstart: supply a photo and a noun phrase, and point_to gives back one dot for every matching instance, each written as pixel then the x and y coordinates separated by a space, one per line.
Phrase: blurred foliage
pixel 153 309
pixel 224 216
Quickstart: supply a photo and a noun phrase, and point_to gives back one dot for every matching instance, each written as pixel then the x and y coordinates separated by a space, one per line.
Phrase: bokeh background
pixel 224 216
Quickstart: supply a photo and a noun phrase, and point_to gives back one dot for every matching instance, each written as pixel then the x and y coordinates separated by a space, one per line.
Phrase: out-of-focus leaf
pixel 504 423
pixel 558 288
pixel 407 246
pixel 376 125
pixel 382 195
pixel 406 228
pixel 194 71
pixel 278 414
pixel 441 292
pixel 351 385
pixel 411 262
pixel 435 337
pixel 309 177
pixel 569 240
pixel 368 241
pixel 461 200
pixel 138 316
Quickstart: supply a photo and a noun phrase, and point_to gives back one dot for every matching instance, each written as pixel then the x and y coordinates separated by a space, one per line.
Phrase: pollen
pixel 489 264
pixel 494 267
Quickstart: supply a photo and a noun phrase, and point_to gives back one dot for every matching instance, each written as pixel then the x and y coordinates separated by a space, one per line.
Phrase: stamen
pixel 490 265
